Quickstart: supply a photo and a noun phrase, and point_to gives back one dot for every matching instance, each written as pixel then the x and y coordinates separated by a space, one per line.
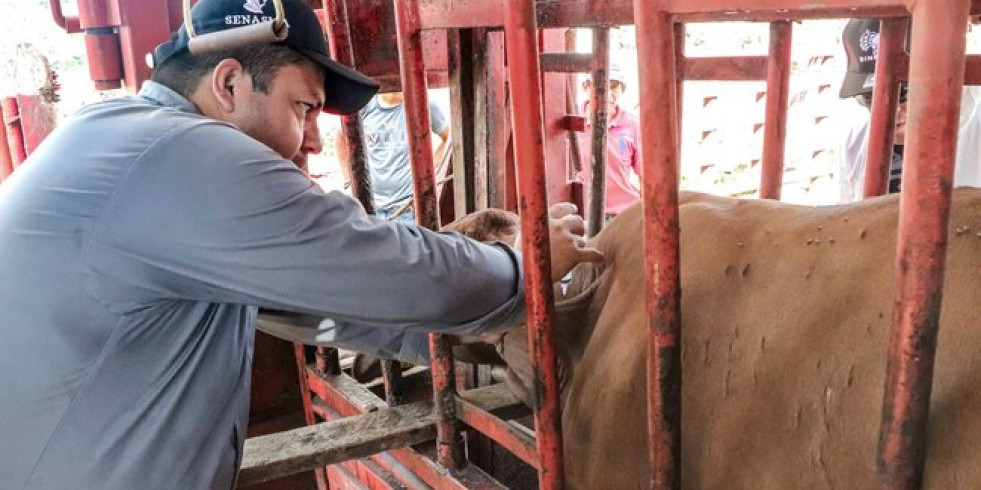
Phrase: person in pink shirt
pixel 622 149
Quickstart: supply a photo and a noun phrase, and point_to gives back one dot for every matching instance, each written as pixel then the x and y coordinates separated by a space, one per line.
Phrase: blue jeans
pixel 409 216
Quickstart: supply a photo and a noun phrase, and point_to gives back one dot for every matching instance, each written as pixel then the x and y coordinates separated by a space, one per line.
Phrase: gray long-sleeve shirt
pixel 137 245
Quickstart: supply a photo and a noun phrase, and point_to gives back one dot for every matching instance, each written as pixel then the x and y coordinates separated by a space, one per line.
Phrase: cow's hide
pixel 785 318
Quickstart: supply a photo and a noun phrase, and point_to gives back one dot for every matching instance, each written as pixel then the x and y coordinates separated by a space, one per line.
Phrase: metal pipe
pixel 775 127
pixel 102 49
pixel 339 37
pixel 885 99
pixel 935 81
pixel 659 140
pixel 599 105
pixel 521 36
pixel 69 24
pixel 300 353
pixel 6 161
pixel 413 72
pixel 15 131
pixel 679 86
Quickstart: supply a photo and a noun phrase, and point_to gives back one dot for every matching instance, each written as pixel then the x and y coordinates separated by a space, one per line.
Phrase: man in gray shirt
pixel 141 238
pixel 387 148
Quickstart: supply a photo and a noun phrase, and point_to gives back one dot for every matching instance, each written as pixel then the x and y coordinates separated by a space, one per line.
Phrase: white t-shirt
pixel 852 154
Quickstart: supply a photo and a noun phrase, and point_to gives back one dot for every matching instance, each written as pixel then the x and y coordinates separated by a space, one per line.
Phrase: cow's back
pixel 785 313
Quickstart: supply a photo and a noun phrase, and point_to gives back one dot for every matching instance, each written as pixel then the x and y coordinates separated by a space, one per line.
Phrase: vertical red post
pixel 524 72
pixel 775 127
pixel 885 99
pixel 679 67
pixel 6 162
pixel 599 108
pixel 935 81
pixel 659 140
pixel 413 70
pixel 15 131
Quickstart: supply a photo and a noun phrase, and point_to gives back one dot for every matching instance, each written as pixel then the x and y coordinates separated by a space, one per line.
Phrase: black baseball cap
pixel 861 41
pixel 345 90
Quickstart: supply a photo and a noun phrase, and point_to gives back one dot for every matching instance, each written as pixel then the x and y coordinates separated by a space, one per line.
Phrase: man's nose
pixel 311 139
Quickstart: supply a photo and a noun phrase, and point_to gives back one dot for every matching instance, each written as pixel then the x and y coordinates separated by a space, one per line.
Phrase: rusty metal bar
pixel 936 73
pixel 599 107
pixel 659 140
pixel 733 69
pixel 567 62
pixel 413 73
pixel 300 353
pixel 885 100
pixel 521 37
pixel 345 396
pixel 339 35
pixel 15 131
pixel 775 127
pixel 500 431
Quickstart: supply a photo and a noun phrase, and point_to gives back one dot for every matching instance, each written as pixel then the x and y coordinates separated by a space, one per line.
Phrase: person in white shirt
pixel 861 41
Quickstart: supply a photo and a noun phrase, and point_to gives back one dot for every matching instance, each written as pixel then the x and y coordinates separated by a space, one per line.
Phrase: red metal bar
pixel 342 50
pixel 733 69
pixel 521 36
pixel 299 352
pixel 500 431
pixel 659 140
pixel 6 161
pixel 599 108
pixel 345 396
pixel 69 24
pixel 885 99
pixel 679 83
pixel 413 71
pixel 144 26
pixel 567 62
pixel 775 129
pixel 15 131
pixel 936 73
pixel 565 14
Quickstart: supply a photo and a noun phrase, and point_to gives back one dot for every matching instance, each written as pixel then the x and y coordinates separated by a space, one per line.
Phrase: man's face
pixel 616 91
pixel 899 134
pixel 285 119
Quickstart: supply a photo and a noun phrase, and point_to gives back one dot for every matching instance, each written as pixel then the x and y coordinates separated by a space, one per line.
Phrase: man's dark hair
pixel 183 72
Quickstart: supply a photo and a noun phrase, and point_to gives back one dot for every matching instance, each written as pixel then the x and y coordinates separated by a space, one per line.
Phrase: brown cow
pixel 785 317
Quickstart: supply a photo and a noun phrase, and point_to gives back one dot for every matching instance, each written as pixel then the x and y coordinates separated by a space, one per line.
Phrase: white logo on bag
pixel 255 6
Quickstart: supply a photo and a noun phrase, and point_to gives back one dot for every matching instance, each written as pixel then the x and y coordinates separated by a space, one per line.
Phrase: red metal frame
pixel 449 444
pixel 936 73
pixel 521 37
pixel 775 128
pixel 659 138
pixel 15 131
pixel 928 171
pixel 6 161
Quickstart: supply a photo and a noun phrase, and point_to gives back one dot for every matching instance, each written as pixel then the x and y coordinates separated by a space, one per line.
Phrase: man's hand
pixel 565 231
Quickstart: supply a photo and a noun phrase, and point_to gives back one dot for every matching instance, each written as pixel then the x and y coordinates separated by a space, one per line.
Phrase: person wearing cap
pixel 861 41
pixel 387 148
pixel 140 240
pixel 623 165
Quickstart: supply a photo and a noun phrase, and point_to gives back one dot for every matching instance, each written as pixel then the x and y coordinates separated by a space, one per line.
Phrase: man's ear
pixel 228 77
